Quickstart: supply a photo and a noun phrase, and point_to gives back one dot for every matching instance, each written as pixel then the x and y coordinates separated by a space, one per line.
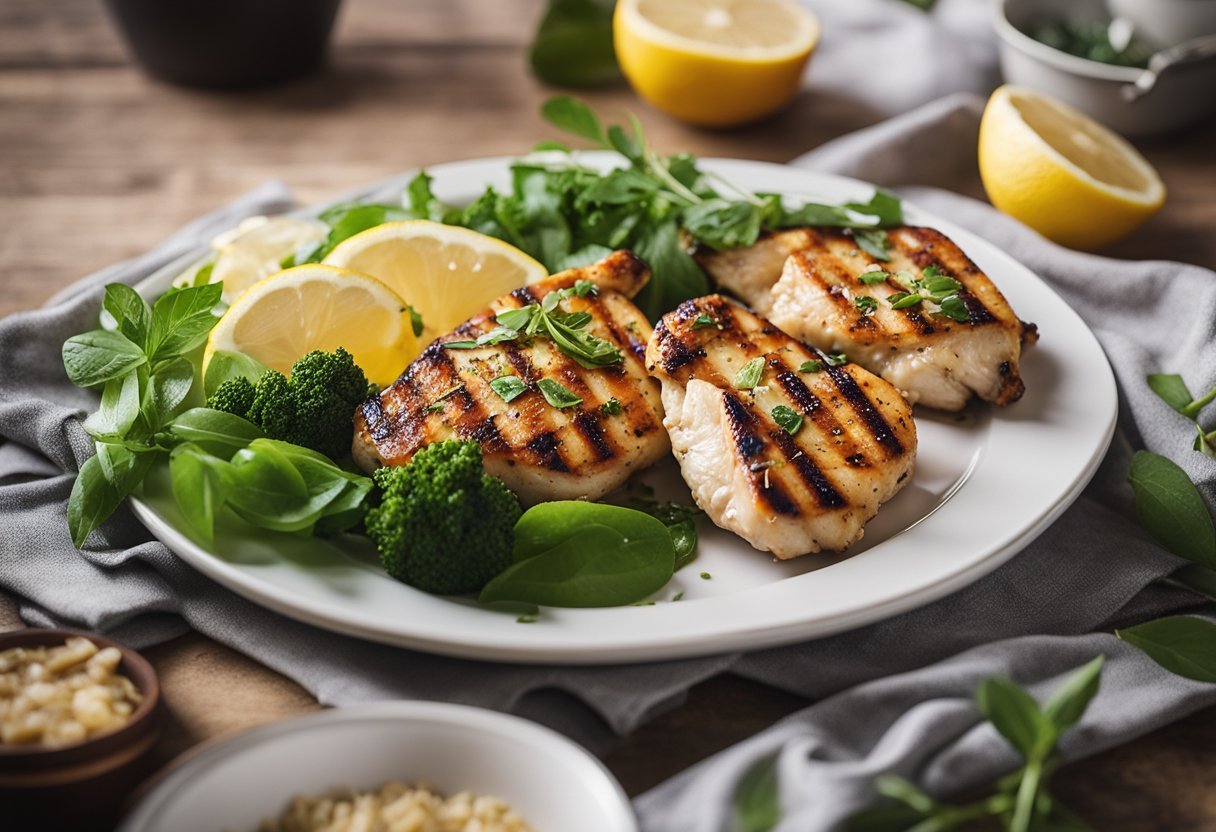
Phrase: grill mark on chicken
pixel 926 254
pixel 862 406
pixel 814 478
pixel 743 426
pixel 822 417
pixel 542 452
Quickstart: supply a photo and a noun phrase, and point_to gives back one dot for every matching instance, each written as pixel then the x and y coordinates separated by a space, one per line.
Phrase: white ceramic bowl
pixel 1167 22
pixel 555 785
pixel 1182 96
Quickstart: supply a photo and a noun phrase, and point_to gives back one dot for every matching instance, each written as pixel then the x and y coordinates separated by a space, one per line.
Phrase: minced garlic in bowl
pixel 55 696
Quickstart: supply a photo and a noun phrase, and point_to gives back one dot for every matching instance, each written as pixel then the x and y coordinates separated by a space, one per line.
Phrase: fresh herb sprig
pixel 145 359
pixel 934 288
pixel 567 330
pixel 1172 390
pixel 1021 801
pixel 566 214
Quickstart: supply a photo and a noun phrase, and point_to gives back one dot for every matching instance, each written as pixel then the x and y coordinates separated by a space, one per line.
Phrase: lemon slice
pixel 257 246
pixel 714 62
pixel 1061 172
pixel 287 315
pixel 447 272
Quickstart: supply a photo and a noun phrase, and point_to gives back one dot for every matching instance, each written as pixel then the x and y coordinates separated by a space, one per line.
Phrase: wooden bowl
pixel 74 786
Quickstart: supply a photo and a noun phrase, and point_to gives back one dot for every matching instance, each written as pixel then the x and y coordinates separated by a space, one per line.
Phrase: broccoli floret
pixel 234 396
pixel 312 408
pixel 444 525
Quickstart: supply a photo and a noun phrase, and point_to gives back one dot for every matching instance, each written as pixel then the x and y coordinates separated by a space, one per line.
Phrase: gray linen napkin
pixel 1034 618
pixel 1088 570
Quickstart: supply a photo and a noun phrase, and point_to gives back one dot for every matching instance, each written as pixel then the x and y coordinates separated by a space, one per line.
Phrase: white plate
pixel 549 781
pixel 983 488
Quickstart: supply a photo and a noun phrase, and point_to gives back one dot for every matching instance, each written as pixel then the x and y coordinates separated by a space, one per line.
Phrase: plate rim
pixel 742 637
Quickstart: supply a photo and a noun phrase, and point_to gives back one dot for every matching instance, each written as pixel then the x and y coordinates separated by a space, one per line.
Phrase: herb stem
pixel 1192 409
pixel 659 169
pixel 1028 789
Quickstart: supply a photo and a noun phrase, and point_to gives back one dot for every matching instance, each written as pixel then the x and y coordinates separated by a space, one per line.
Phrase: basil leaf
pixel 1171 508
pixel 1181 644
pixel 810 366
pixel 130 312
pixel 214 431
pixel 1067 704
pixel 575 117
pixel 267 490
pixel 119 408
pixel 181 320
pixel 517 319
pixel 509 388
pixel 757 798
pixel 873 242
pixel 104 481
pixel 750 373
pixel 1016 716
pixel 1171 389
pixel 578 554
pixel 197 488
pixel 225 365
pixel 872 277
pixel 168 388
pixel 722 225
pixel 100 355
pixel 557 395
pixel 787 418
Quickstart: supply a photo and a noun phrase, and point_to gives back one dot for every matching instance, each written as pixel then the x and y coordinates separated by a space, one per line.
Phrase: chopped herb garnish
pixel 874 242
pixel 866 304
pixel 813 366
pixel 749 375
pixel 678 596
pixel 556 395
pixel 903 300
pixel 787 418
pixel 705 576
pixel 434 408
pixel 954 308
pixel 937 288
pixel 872 277
pixel 415 319
pixel 582 288
pixel 932 271
pixel 459 345
pixel 702 321
pixel 835 359
pixel 528 618
pixel 611 407
pixel 509 387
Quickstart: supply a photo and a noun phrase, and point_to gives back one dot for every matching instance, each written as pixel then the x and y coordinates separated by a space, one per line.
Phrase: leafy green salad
pixel 273 449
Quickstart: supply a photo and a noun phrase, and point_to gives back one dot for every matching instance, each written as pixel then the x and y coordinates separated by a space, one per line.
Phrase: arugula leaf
pixel 1171 508
pixel 557 395
pixel 98 356
pixel 573 116
pixel 1181 644
pixel 681 277
pixel 509 388
pixel 579 554
pixel 722 224
pixel 750 373
pixel 885 207
pixel 346 221
pixel 421 200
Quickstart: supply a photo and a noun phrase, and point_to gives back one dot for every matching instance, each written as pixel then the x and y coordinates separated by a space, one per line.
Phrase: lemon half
pixel 714 62
pixel 1061 172
pixel 447 272
pixel 283 317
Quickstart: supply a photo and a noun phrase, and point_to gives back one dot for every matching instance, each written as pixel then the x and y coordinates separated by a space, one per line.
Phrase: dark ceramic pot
pixel 226 44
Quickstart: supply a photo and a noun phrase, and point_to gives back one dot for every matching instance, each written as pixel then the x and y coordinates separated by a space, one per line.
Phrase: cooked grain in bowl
pixel 63 694
pixel 396 807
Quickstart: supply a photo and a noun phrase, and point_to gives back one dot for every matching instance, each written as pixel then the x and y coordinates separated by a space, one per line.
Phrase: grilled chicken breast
pixel 936 361
pixel 542 452
pixel 807 486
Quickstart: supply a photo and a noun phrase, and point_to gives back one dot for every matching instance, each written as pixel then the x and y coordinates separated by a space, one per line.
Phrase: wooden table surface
pixel 97 163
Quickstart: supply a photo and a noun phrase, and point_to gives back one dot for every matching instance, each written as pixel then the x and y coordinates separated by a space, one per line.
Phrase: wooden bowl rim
pixel 133 666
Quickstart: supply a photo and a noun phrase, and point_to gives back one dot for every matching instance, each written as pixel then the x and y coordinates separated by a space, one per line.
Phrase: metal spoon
pixel 1188 51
